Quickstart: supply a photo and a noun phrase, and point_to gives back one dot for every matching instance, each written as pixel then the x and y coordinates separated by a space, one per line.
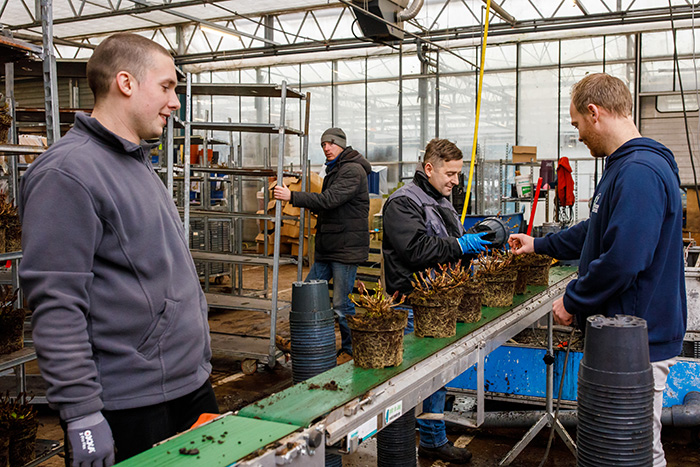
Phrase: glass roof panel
pixel 97 17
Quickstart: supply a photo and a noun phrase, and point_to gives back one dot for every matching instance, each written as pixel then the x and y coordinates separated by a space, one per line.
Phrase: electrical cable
pixel 561 387
pixel 478 111
pixel 685 110
pixel 695 70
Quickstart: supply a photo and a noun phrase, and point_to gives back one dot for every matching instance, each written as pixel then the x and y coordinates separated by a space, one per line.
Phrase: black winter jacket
pixel 342 208
pixel 407 248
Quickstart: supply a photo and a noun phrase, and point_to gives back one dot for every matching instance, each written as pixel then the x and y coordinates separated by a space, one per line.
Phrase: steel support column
pixel 53 124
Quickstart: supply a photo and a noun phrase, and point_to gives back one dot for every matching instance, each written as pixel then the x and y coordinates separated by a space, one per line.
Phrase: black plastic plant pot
pixel 310 296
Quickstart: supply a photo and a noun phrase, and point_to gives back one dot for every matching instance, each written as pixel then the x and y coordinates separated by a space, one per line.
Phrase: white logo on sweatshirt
pixel 87 442
pixel 596 205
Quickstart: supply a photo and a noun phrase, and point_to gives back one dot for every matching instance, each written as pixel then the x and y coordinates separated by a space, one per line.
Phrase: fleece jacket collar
pixel 91 125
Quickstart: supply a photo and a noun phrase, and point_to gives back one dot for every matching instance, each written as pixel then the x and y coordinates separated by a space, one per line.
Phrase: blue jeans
pixel 432 432
pixel 343 276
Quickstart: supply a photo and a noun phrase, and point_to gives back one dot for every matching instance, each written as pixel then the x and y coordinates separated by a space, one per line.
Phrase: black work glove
pixel 91 441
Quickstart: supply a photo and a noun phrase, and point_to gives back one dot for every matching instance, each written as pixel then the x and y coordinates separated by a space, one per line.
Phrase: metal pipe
pixel 513 419
pixel 272 350
pixel 686 415
pixel 507 17
pixel 683 415
pixel 410 12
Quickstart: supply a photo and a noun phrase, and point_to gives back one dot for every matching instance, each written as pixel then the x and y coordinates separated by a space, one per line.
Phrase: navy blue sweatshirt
pixel 120 320
pixel 631 247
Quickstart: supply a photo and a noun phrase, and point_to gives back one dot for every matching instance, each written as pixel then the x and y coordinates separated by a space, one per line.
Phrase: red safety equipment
pixel 565 183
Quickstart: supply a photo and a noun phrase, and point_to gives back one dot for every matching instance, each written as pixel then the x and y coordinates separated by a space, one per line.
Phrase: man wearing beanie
pixel 342 238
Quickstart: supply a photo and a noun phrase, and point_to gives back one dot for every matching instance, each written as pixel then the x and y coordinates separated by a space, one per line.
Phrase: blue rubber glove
pixel 91 441
pixel 473 243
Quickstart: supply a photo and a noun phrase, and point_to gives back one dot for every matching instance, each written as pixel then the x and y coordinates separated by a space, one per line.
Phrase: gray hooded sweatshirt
pixel 119 318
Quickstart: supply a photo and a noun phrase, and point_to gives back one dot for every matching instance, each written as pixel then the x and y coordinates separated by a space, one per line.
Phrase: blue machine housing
pixel 519 370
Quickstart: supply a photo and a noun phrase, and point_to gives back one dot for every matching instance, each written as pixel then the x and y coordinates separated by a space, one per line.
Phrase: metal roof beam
pixel 125 11
pixel 56 40
pixel 218 27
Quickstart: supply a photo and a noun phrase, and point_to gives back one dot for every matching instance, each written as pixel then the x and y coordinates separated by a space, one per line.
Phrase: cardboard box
pixel 375 207
pixel 524 154
pixel 295 248
pixel 290 210
pixel 285 244
pixel 289 231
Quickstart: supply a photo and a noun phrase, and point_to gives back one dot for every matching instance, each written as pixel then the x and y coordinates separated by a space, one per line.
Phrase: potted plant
pixel 377 333
pixel 499 278
pixel 11 322
pixel 469 309
pixel 10 226
pixel 435 299
pixel 5 119
pixel 522 267
pixel 4 444
pixel 21 419
pixel 538 268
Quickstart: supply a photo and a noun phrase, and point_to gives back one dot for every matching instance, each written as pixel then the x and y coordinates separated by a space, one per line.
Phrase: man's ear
pixel 428 169
pixel 125 83
pixel 593 112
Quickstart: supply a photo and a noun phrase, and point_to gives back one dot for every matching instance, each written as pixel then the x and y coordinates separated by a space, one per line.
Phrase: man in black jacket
pixel 421 230
pixel 342 238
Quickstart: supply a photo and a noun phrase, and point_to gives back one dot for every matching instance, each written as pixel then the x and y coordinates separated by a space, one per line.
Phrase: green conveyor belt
pixel 232 438
pixel 300 405
pixel 275 417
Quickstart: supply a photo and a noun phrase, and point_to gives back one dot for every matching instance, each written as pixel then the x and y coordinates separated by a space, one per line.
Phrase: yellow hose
pixel 478 110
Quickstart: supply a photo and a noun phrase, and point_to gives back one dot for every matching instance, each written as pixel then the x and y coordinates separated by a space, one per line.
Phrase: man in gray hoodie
pixel 120 321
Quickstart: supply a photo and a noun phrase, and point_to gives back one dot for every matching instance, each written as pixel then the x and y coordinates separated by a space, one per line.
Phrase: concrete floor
pixel 235 390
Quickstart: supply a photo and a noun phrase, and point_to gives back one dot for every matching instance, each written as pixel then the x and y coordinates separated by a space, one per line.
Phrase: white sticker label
pixel 364 431
pixel 393 412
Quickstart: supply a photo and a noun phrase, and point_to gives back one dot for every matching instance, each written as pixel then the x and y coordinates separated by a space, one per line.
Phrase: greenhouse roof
pixel 210 29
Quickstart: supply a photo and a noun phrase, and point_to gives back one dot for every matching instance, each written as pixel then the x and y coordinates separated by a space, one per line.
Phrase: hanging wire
pixel 695 69
pixel 478 111
pixel 685 111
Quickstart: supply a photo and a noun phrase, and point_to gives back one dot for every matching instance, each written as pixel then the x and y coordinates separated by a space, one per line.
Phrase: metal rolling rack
pixel 12 150
pixel 505 196
pixel 240 346
pixel 14 49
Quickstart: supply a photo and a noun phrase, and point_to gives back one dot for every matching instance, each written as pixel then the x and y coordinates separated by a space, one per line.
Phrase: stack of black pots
pixel 615 394
pixel 396 443
pixel 312 327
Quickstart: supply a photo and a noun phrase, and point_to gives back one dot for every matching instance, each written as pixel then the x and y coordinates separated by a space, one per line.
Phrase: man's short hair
pixel 120 52
pixel 441 150
pixel 604 91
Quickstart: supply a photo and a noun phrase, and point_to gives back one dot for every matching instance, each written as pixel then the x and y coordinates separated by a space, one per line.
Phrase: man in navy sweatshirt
pixel 120 321
pixel 631 247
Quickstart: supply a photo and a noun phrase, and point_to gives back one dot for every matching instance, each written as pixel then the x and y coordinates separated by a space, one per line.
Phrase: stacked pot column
pixel 615 394
pixel 312 326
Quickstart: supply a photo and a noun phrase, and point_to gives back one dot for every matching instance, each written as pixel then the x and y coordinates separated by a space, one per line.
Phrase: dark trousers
pixel 137 430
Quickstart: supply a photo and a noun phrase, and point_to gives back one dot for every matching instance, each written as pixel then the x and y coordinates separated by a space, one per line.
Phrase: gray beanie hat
pixel 335 136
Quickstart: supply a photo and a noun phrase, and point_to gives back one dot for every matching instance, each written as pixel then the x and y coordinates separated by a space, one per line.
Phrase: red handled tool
pixel 534 206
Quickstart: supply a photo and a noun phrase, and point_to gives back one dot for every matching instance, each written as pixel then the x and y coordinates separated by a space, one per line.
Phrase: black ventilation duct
pixel 388 10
